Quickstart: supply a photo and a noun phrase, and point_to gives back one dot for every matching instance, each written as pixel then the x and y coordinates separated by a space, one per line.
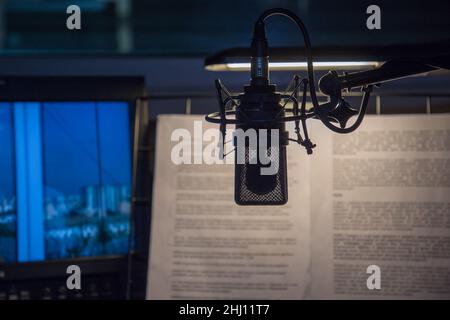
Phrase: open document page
pixel 204 246
pixel 381 197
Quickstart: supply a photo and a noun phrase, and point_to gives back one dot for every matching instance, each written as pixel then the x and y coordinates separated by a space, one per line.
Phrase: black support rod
pixel 332 83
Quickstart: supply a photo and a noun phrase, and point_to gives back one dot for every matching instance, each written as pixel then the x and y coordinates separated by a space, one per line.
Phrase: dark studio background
pixel 166 42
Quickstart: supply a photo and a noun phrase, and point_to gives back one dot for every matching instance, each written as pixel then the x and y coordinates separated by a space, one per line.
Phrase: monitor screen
pixel 8 230
pixel 65 186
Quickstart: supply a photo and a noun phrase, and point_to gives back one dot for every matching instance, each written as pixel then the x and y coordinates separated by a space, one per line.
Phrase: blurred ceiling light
pixel 325 57
pixel 286 66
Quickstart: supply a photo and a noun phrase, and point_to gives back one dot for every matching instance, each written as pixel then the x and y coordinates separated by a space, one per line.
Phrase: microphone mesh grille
pixel 251 188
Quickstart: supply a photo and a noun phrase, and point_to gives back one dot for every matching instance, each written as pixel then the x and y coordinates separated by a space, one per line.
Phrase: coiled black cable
pixel 310 70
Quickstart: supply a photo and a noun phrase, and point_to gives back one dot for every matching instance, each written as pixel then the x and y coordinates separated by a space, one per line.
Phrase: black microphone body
pixel 258 109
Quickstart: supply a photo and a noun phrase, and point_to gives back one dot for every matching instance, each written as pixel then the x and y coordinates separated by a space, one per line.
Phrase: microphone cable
pixel 310 70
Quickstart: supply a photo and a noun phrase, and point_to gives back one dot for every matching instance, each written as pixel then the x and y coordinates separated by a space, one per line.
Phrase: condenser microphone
pixel 259 112
pixel 260 141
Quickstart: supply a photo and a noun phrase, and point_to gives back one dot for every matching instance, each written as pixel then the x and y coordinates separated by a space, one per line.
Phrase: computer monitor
pixel 67 178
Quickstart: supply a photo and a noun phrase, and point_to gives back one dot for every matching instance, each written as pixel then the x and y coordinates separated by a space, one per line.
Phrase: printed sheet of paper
pixel 204 246
pixel 381 196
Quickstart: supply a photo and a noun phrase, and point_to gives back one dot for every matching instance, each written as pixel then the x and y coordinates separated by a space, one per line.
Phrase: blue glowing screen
pixel 65 187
